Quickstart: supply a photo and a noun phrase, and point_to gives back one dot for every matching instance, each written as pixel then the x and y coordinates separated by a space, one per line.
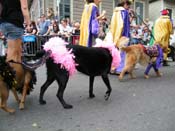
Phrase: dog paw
pixel 9 110
pixel 107 95
pixel 146 76
pixel 91 96
pixel 133 77
pixel 67 106
pixel 159 74
pixel 42 102
pixel 21 105
pixel 12 111
pixel 120 79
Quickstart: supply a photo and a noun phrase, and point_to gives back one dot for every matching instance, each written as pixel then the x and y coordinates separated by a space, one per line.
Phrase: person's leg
pixel 165 56
pixel 14 50
pixel 13 34
pixel 157 70
pixel 147 70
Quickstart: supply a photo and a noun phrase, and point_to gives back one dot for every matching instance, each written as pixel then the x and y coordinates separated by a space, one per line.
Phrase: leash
pixel 33 66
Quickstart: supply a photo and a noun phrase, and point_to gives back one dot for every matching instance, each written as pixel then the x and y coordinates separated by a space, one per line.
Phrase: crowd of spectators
pixel 66 29
pixel 141 34
pixel 49 25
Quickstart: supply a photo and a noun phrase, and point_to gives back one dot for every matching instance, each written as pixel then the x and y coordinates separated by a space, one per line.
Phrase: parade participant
pixel 14 13
pixel 120 26
pixel 162 30
pixel 89 27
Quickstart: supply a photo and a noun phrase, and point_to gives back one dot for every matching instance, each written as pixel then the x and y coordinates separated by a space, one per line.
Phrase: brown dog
pixel 134 54
pixel 24 83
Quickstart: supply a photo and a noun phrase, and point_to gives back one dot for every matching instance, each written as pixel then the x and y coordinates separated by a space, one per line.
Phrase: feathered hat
pixel 164 12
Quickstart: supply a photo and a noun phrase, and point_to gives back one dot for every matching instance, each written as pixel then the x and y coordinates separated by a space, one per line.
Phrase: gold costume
pixel 117 24
pixel 162 30
pixel 85 24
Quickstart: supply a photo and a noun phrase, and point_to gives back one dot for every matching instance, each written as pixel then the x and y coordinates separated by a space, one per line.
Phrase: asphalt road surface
pixel 135 105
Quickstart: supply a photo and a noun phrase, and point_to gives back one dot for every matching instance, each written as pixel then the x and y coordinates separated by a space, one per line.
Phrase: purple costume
pixel 89 27
pixel 126 33
pixel 93 26
pixel 158 62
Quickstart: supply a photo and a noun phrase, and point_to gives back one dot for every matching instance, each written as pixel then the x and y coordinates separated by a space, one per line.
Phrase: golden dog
pixel 24 83
pixel 134 54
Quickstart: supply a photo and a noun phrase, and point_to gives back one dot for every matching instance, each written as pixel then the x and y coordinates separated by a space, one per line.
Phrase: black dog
pixel 92 61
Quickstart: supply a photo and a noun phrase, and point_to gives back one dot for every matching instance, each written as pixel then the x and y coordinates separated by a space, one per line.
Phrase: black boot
pixel 165 63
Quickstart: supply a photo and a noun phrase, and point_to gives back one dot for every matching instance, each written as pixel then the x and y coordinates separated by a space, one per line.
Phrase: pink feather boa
pixel 107 43
pixel 60 54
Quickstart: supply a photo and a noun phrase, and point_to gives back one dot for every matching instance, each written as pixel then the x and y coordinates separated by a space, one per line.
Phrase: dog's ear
pixel 123 41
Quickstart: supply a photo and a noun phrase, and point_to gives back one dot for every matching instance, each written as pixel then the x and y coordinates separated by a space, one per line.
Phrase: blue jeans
pixel 10 31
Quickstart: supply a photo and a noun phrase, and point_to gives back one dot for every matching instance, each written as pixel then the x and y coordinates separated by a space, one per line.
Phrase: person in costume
pixel 162 30
pixel 120 26
pixel 89 27
pixel 156 54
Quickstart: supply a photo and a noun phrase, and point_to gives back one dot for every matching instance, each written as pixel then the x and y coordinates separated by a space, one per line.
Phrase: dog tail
pixel 126 49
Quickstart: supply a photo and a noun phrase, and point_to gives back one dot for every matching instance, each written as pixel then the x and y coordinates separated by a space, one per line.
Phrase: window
pixel 139 8
pixel 64 8
pixel 116 2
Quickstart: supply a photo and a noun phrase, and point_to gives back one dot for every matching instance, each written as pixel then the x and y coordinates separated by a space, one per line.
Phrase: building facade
pixel 157 5
pixel 73 8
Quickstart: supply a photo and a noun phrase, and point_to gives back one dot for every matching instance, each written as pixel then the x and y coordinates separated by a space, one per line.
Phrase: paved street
pixel 134 105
